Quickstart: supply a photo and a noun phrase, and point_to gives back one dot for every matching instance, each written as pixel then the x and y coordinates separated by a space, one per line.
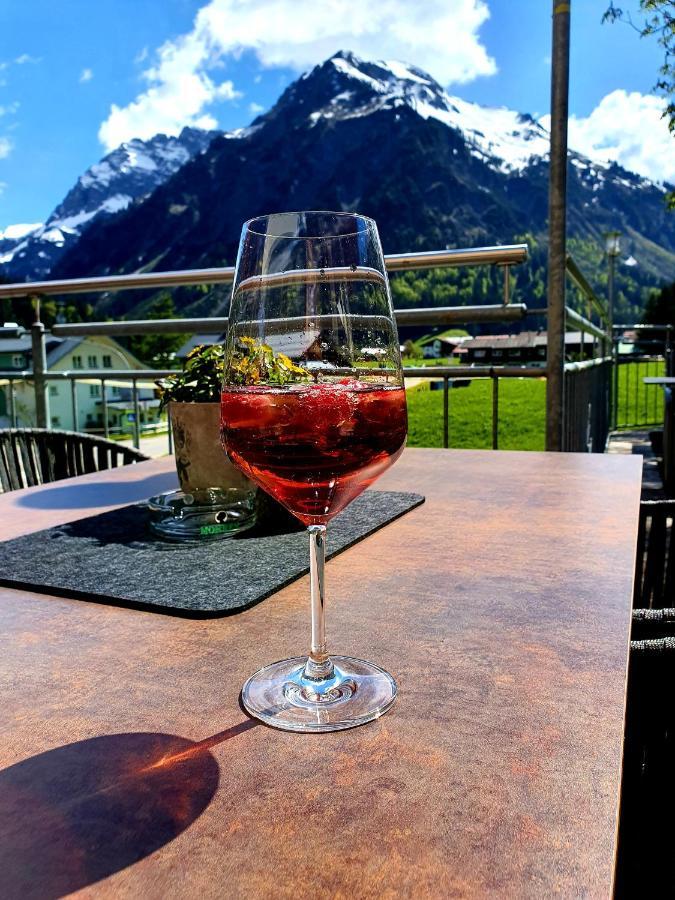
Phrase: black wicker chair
pixel 645 866
pixel 644 861
pixel 655 563
pixel 30 456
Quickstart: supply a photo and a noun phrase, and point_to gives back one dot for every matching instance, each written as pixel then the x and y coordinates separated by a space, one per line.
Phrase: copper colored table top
pixel 502 606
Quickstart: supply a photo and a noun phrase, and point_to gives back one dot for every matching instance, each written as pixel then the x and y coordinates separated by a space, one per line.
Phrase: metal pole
pixel 39 368
pixel 557 215
pixel 12 404
pixel 137 416
pixel 495 412
pixel 615 391
pixel 610 318
pixel 446 397
pixel 73 397
pixel 104 408
pixel 507 286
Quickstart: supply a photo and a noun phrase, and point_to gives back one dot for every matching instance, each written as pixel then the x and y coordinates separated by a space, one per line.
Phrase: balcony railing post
pixel 104 409
pixel 507 285
pixel 137 416
pixel 495 412
pixel 12 403
pixel 557 216
pixel 73 398
pixel 39 368
pixel 614 381
pixel 446 412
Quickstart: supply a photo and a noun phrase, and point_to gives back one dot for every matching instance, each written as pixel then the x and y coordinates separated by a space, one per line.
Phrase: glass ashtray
pixel 206 515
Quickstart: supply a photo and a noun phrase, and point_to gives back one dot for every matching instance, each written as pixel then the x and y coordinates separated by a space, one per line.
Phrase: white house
pixel 70 355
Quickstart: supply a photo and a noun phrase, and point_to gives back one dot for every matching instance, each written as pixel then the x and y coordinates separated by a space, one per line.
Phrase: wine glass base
pixel 280 696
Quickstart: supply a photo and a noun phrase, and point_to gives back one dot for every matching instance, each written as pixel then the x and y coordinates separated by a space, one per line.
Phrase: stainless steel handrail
pixel 582 283
pixel 585 325
pixel 442 315
pixel 510 254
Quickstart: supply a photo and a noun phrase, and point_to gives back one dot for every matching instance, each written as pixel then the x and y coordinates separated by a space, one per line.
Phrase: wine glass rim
pixel 249 223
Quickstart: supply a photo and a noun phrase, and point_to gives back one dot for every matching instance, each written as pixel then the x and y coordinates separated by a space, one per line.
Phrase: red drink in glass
pixel 314 447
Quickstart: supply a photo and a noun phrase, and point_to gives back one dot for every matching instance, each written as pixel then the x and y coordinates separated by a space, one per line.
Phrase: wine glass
pixel 313 410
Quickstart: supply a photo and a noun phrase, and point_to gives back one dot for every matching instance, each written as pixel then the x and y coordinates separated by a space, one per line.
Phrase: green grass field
pixel 522 410
pixel 522 405
pixel 639 404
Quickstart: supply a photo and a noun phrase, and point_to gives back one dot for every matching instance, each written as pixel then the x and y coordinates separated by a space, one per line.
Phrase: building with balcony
pixel 78 404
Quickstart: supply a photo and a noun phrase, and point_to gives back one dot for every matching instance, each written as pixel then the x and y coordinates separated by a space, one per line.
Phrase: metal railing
pixel 507 311
pixel 635 404
pixel 586 413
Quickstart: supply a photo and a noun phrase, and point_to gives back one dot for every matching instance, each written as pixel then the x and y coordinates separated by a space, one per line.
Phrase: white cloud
pixel 86 75
pixel 255 108
pixel 297 34
pixel 3 185
pixel 626 128
pixel 142 55
pixel 5 147
pixel 27 58
pixel 10 109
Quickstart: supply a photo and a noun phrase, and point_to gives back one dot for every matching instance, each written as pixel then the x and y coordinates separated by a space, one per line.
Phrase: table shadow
pixel 81 496
pixel 81 812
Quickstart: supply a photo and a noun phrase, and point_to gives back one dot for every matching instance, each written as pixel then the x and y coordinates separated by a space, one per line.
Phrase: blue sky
pixel 78 77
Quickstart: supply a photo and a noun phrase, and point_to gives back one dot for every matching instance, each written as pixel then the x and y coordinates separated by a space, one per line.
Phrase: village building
pixel 71 355
pixel 526 348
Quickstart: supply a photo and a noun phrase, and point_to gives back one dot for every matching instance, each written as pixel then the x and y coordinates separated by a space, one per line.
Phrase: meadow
pixel 522 410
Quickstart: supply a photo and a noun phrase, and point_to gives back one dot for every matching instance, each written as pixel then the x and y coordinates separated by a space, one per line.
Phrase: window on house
pixel 53 390
pixel 94 390
pixel 17 361
pixel 479 354
pixel 77 362
pixel 92 362
pixel 56 421
pixel 115 391
pixel 497 353
pixel 107 361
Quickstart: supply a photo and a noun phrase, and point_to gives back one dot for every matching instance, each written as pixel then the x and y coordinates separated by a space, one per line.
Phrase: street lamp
pixel 613 243
pixel 613 249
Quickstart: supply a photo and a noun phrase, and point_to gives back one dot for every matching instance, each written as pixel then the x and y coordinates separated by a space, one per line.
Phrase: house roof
pixel 15 345
pixel 517 341
pixel 56 351
pixel 56 347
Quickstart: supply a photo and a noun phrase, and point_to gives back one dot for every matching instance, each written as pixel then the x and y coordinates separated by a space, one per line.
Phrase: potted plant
pixel 215 499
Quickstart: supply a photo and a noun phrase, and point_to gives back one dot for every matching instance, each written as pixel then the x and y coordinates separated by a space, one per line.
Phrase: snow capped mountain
pixel 382 138
pixel 504 139
pixel 124 176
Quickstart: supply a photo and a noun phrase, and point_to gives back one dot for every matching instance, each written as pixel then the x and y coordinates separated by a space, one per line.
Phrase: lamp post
pixel 613 249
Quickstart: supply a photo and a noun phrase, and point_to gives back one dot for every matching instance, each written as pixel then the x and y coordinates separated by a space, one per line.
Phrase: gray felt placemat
pixel 112 558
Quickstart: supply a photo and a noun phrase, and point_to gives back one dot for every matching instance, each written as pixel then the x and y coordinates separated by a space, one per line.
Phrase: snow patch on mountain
pixel 506 139
pixel 17 232
pixel 125 176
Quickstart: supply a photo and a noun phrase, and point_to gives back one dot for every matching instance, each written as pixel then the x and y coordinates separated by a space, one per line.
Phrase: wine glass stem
pixel 319 666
